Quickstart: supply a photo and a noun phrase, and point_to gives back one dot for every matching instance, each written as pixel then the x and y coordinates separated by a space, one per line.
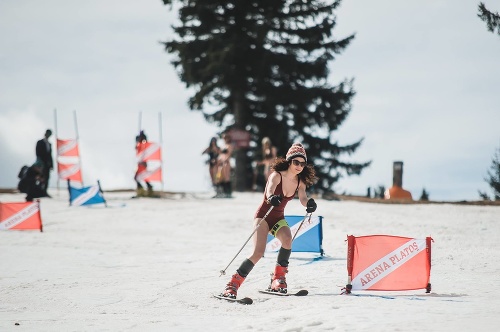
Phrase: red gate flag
pixel 67 148
pixel 389 263
pixel 69 172
pixel 152 175
pixel 20 216
pixel 148 151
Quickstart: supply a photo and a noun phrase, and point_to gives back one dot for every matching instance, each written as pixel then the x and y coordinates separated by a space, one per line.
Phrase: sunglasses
pixel 299 163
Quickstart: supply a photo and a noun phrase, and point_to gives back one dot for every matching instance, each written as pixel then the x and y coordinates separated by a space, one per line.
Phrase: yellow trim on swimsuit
pixel 277 227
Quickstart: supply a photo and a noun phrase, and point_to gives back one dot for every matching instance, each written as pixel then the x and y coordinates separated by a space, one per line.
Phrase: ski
pixel 302 292
pixel 245 300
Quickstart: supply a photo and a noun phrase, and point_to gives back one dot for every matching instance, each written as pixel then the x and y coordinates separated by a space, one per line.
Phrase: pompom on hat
pixel 296 150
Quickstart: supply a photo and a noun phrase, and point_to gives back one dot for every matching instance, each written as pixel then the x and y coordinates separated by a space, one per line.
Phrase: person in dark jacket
pixel 32 182
pixel 44 155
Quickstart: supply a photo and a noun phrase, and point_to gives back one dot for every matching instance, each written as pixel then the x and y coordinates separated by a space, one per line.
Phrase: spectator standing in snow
pixel 223 176
pixel 268 154
pixel 289 177
pixel 213 151
pixel 141 165
pixel 44 156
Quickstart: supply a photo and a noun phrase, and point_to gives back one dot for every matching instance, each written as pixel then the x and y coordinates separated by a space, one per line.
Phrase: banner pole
pixel 57 153
pixel 428 241
pixel 76 125
pixel 78 142
pixel 69 191
pixel 102 193
pixel 350 256
pixel 140 121
pixel 39 215
pixel 161 146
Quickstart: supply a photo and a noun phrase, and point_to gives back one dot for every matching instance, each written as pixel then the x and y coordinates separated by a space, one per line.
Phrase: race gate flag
pixel 69 172
pixel 308 239
pixel 20 216
pixel 150 175
pixel 148 151
pixel 388 263
pixel 67 148
pixel 86 195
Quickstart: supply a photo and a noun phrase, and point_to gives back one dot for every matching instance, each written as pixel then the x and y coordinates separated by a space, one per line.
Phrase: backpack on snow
pixel 23 184
pixel 22 172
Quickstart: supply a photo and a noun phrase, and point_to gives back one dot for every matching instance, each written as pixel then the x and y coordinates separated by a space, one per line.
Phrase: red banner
pixel 20 216
pixel 67 148
pixel 148 151
pixel 149 175
pixel 69 172
pixel 390 263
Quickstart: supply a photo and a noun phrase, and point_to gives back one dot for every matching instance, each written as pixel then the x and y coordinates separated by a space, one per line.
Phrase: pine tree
pixel 424 196
pixel 492 19
pixel 493 177
pixel 262 66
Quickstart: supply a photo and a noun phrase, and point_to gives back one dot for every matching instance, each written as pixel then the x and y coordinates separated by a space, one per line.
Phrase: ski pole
pixel 298 229
pixel 223 272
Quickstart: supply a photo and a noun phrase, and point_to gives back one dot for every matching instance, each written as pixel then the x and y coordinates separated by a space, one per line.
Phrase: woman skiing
pixel 289 177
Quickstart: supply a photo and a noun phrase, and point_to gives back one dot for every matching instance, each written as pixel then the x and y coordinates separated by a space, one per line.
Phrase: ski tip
pixel 302 292
pixel 245 300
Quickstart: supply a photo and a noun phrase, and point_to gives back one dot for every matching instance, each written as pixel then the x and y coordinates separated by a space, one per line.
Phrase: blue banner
pixel 308 239
pixel 85 196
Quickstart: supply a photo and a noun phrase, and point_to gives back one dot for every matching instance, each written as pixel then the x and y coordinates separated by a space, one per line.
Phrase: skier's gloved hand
pixel 311 205
pixel 274 200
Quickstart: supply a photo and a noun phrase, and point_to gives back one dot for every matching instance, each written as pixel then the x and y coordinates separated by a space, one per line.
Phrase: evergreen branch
pixel 492 19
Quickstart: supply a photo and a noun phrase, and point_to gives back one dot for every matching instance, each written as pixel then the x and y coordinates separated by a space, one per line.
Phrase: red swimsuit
pixel 278 212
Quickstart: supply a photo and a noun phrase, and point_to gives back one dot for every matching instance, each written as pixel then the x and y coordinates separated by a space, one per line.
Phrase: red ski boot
pixel 232 286
pixel 278 282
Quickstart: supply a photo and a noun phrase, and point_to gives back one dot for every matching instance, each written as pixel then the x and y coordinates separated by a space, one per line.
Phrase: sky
pixel 426 75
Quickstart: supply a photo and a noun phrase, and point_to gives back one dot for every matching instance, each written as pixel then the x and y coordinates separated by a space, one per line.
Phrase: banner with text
pixel 390 263
pixel 20 216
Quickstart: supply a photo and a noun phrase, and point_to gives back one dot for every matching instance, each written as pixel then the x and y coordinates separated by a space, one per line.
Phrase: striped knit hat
pixel 296 150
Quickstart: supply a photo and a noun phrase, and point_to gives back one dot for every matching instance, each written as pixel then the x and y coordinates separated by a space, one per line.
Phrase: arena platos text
pixel 388 263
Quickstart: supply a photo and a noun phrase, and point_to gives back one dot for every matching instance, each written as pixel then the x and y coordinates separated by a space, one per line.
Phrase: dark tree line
pixel 262 66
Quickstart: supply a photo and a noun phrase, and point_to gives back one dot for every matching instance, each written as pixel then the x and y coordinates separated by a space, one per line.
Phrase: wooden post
pixel 397 174
pixel 397 191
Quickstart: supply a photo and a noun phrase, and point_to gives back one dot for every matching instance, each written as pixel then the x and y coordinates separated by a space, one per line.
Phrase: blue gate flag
pixel 86 195
pixel 308 239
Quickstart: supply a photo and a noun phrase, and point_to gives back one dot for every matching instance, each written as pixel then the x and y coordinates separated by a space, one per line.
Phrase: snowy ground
pixel 153 265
